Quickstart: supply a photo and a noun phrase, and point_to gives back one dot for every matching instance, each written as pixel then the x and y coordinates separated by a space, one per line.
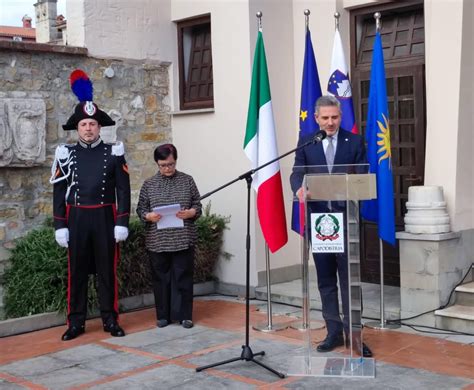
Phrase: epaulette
pixel 62 151
pixel 118 149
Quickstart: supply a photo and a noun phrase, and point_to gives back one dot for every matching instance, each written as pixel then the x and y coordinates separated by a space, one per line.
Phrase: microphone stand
pixel 247 353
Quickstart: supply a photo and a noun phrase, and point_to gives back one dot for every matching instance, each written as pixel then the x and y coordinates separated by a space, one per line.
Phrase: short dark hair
pixel 162 152
pixel 327 101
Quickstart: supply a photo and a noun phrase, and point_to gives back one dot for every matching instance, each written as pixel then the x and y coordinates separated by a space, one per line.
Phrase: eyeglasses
pixel 167 165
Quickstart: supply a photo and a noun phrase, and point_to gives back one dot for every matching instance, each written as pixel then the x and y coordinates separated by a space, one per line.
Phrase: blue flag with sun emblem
pixel 379 155
pixel 310 92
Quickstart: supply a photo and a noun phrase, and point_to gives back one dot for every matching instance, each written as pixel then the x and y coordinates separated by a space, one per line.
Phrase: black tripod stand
pixel 247 353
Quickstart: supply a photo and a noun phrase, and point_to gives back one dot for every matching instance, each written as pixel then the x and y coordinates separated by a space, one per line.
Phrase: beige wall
pixel 210 144
pixel 449 82
pixel 75 22
pixel 122 28
pixel 464 214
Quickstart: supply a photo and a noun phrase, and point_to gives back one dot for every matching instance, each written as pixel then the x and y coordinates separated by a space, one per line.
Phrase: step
pixel 291 293
pixel 457 317
pixel 465 294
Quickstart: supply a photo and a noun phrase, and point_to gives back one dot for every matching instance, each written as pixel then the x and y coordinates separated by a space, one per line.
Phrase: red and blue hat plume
pixel 81 85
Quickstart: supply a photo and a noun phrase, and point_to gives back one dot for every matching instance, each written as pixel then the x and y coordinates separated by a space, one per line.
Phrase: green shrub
pixel 210 229
pixel 36 279
pixel 133 273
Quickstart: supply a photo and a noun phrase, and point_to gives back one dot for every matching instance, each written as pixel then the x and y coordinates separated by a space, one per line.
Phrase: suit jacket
pixel 350 150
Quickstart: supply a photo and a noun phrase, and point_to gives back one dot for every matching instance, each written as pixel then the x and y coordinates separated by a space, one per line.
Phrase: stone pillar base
pixel 430 266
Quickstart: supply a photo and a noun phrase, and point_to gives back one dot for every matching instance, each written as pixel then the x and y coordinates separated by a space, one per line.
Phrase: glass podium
pixel 329 210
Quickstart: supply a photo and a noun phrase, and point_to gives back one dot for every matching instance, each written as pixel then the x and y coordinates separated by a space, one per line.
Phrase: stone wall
pixel 135 94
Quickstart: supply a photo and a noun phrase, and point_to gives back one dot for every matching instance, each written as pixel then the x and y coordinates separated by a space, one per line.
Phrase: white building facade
pixel 210 140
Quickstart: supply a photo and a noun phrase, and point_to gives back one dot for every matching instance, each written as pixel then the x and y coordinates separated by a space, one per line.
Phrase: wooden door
pixel 403 45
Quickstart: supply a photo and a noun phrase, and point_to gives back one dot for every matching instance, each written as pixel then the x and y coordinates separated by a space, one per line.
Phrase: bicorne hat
pixel 86 109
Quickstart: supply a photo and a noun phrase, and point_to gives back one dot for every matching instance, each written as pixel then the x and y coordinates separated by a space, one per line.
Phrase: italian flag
pixel 260 147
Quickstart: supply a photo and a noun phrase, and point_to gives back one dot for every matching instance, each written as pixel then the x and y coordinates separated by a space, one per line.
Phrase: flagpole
pixel 382 324
pixel 305 322
pixel 269 326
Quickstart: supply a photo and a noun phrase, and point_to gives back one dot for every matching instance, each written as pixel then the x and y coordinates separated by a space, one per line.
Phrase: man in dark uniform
pixel 91 212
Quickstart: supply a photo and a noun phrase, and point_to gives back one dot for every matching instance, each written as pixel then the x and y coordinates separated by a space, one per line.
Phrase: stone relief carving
pixel 22 132
pixel 6 153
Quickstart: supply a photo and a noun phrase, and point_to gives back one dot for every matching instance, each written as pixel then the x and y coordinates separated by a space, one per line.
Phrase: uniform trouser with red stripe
pixel 173 284
pixel 92 246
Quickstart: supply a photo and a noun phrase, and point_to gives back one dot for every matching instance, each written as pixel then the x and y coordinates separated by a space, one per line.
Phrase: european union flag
pixel 310 92
pixel 379 155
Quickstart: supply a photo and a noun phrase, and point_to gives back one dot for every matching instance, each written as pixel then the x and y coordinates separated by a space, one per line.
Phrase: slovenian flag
pixel 340 86
pixel 260 146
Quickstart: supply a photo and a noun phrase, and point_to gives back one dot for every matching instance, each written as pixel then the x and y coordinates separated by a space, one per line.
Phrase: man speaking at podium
pixel 340 147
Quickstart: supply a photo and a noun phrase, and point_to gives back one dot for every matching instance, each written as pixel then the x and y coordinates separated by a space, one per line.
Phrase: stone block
pixel 30 323
pixel 12 212
pixel 450 253
pixel 137 103
pixel 133 138
pixel 148 300
pixel 447 282
pixel 40 208
pixel 3 232
pixel 419 281
pixel 13 225
pixel 138 157
pixel 130 303
pixel 150 137
pixel 151 103
pixel 108 93
pixel 414 255
pixel 14 180
pixel 416 300
pixel 140 118
pixel 149 120
pixel 163 119
pixel 52 130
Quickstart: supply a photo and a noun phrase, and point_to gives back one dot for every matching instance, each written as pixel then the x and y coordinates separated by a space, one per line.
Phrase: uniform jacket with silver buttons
pixel 97 175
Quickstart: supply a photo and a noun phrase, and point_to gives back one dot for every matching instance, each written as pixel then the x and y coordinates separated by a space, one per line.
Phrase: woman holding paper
pixel 169 204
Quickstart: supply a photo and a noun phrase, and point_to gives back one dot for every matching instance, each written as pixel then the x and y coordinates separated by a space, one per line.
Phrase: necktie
pixel 330 154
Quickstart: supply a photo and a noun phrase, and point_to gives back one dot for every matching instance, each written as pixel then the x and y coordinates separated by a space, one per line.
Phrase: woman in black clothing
pixel 171 249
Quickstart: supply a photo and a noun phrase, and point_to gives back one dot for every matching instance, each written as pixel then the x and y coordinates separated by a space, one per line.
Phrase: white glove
pixel 62 237
pixel 120 233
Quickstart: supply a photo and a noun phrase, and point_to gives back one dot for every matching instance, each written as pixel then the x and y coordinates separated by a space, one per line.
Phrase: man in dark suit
pixel 340 147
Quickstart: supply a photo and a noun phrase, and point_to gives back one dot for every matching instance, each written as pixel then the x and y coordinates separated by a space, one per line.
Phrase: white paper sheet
pixel 168 216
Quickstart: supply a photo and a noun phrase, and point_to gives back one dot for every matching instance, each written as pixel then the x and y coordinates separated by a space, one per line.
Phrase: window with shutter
pixel 195 63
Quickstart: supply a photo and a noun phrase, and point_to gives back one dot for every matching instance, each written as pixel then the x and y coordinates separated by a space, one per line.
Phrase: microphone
pixel 320 135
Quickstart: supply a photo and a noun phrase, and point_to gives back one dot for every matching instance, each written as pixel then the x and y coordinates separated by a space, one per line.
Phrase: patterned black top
pixel 161 190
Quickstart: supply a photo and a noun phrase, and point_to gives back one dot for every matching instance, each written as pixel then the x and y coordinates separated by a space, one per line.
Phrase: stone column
pixel 432 261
